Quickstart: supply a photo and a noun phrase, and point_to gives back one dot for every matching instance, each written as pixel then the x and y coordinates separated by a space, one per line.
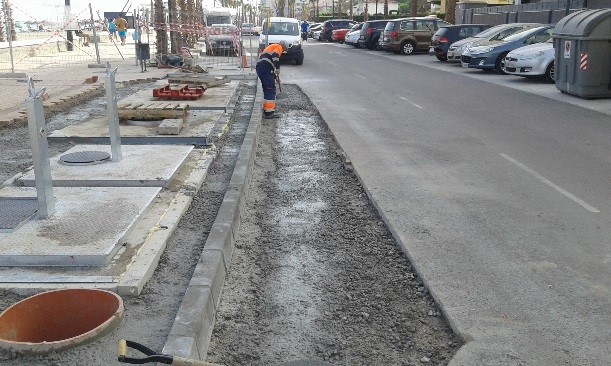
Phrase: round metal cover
pixel 85 158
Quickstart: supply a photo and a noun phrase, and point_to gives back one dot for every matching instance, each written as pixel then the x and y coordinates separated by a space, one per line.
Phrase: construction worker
pixel 268 70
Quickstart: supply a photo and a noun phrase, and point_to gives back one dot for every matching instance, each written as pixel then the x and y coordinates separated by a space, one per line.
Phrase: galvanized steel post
pixel 113 113
pixel 40 151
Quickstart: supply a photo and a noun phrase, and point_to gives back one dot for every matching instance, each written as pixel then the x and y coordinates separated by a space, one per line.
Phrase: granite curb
pixel 194 322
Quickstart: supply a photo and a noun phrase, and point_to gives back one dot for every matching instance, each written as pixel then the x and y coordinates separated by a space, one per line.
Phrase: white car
pixel 532 60
pixel 352 37
pixel 316 35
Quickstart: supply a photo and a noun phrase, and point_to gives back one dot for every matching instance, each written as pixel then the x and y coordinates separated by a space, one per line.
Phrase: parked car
pixel 445 36
pixel 287 30
pixel 371 32
pixel 408 35
pixel 339 35
pixel 352 37
pixel 314 28
pixel 497 32
pixel 330 25
pixel 535 60
pixel 251 29
pixel 316 35
pixel 223 39
pixel 492 56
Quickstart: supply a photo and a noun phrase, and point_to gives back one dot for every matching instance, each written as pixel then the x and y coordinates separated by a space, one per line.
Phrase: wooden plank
pixel 135 105
pixel 146 106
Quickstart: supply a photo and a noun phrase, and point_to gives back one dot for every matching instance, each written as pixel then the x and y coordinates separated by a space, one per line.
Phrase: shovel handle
pixel 152 356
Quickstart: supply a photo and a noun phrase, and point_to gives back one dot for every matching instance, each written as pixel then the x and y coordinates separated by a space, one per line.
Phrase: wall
pixel 546 12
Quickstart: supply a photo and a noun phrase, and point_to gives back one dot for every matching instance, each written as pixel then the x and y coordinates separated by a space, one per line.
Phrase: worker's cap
pixel 284 44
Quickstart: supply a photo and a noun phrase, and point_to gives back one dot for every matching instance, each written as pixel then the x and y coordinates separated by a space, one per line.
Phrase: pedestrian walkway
pixel 68 84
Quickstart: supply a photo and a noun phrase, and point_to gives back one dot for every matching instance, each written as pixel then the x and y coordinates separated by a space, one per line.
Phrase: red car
pixel 339 35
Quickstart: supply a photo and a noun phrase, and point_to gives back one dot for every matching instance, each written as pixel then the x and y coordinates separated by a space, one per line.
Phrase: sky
pixel 53 9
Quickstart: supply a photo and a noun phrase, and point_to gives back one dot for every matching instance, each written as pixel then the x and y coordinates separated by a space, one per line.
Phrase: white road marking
pixel 549 183
pixel 409 101
pixel 359 75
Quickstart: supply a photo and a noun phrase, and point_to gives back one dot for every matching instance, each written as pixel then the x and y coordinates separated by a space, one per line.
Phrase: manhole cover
pixel 14 211
pixel 84 158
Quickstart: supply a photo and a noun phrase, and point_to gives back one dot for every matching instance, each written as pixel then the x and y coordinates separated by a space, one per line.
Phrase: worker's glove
pixel 278 75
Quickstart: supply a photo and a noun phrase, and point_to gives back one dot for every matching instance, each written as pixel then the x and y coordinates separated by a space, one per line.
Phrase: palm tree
pixel 161 33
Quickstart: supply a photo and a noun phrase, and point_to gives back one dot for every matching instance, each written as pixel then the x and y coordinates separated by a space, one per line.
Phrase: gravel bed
pixel 316 275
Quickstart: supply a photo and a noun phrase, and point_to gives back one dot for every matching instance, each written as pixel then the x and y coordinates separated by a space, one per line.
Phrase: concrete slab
pixel 128 270
pixel 141 166
pixel 196 131
pixel 217 98
pixel 87 229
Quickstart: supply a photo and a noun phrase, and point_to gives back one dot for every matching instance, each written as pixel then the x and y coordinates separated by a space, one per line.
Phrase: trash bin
pixel 143 51
pixel 582 43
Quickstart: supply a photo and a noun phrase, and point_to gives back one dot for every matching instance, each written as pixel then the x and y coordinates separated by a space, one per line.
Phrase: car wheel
pixel 407 48
pixel 442 57
pixel 550 76
pixel 499 65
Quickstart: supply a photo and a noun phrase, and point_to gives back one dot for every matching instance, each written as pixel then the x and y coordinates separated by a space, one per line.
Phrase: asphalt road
pixel 496 187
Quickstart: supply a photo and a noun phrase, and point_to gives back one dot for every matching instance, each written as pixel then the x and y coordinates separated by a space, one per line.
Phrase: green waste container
pixel 582 43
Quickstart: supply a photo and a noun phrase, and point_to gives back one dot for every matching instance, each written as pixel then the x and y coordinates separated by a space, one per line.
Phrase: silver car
pixel 536 60
pixel 491 34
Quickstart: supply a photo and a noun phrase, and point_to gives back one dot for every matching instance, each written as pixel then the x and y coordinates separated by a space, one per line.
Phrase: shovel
pixel 280 94
pixel 152 356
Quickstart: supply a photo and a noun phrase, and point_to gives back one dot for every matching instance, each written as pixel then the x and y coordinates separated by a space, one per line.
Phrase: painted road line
pixel 549 183
pixel 359 75
pixel 409 101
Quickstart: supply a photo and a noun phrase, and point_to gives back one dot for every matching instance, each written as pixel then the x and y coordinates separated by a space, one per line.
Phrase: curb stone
pixel 192 329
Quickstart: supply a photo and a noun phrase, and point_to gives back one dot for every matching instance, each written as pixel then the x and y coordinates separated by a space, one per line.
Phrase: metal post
pixel 95 38
pixel 69 37
pixel 9 32
pixel 40 151
pixel 113 113
pixel 136 35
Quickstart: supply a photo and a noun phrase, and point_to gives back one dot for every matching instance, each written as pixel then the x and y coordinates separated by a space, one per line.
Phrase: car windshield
pixel 342 24
pixel 283 28
pixel 520 35
pixel 217 29
pixel 487 33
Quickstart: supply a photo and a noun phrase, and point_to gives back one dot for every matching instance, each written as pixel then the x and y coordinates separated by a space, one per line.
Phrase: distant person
pixel 305 26
pixel 121 24
pixel 84 36
pixel 112 30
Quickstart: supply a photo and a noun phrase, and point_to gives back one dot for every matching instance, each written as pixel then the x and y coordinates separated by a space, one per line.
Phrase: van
pixel 276 29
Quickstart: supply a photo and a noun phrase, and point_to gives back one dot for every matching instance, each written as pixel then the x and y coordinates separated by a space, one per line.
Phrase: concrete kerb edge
pixel 395 234
pixel 192 341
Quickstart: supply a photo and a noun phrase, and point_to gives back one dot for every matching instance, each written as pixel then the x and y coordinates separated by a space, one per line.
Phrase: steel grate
pixel 14 211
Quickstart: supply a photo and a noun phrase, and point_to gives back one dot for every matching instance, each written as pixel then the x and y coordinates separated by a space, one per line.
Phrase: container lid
pixel 585 23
